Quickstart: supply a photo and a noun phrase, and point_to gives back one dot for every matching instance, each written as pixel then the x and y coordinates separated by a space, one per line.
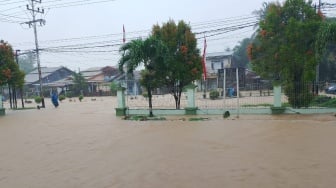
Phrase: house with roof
pixel 99 78
pixel 52 77
pixel 214 62
pixel 218 60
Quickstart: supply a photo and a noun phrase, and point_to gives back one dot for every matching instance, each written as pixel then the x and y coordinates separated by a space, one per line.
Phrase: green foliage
pixel 80 85
pixel 9 70
pixel 214 94
pixel 240 54
pixel 257 105
pixel 26 62
pixel 38 99
pixel 114 87
pixel 144 94
pixel 324 101
pixel 151 53
pixel 298 94
pixel 326 50
pixel 183 64
pixel 69 94
pixel 170 57
pixel 330 104
pixel 80 98
pixel 325 36
pixel 144 118
pixel 284 47
pixel 327 67
pixel 198 119
pixel 61 97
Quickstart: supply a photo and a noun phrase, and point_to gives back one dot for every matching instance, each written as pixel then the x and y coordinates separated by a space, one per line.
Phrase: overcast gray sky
pixel 89 34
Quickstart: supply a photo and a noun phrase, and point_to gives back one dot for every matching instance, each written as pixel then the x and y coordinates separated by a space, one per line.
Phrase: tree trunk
pixel 14 98
pixel 149 91
pixel 10 96
pixel 179 97
pixel 176 100
pixel 21 94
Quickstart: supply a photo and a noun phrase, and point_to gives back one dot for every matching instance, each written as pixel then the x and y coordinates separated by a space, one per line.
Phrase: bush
pixel 38 99
pixel 298 95
pixel 324 101
pixel 80 98
pixel 61 97
pixel 114 88
pixel 320 99
pixel 69 94
pixel 214 94
pixel 145 95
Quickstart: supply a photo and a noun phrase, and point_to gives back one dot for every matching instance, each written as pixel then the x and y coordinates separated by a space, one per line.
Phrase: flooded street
pixel 85 145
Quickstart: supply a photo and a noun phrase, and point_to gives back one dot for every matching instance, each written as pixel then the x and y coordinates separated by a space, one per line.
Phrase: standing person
pixel 54 99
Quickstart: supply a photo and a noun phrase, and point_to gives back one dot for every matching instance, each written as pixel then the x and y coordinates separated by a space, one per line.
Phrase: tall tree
pixel 80 85
pixel 326 50
pixel 151 54
pixel 26 62
pixel 240 56
pixel 284 47
pixel 184 61
pixel 10 73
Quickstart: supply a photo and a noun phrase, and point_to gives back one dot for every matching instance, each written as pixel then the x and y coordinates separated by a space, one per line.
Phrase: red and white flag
pixel 124 34
pixel 204 60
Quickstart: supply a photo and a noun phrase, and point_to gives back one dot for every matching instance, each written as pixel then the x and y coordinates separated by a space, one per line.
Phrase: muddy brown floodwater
pixel 83 144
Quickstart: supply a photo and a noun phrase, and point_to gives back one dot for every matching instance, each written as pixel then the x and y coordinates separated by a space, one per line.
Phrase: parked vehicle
pixel 331 89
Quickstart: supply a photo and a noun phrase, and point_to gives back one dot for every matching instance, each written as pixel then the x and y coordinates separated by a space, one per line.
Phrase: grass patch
pixel 198 119
pixel 144 118
pixel 257 105
pixel 324 101
pixel 26 108
pixel 286 104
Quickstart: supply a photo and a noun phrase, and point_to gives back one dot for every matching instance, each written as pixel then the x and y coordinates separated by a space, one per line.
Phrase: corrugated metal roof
pixel 91 72
pixel 218 54
pixel 45 71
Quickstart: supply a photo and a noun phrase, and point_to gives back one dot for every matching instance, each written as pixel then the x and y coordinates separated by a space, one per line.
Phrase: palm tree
pixel 151 53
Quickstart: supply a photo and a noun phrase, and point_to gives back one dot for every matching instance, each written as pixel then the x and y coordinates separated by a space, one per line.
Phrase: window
pixel 215 65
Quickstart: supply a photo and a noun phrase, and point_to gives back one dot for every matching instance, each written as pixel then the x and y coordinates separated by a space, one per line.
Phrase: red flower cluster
pixel 184 49
pixel 194 71
pixel 276 56
pixel 263 33
pixel 7 73
pixel 309 52
pixel 321 14
pixel 249 51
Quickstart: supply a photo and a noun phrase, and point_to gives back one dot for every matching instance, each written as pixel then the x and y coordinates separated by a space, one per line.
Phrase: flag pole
pixel 204 67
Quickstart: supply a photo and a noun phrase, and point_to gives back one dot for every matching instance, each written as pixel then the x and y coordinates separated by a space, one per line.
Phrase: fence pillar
pixel 121 110
pixel 191 109
pixel 277 96
pixel 2 110
pixel 277 105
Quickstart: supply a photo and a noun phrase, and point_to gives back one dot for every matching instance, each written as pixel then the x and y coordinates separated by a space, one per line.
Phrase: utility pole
pixel 34 11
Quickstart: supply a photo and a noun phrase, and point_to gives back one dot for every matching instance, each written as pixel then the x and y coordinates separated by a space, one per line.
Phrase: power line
pixel 77 3
pixel 49 5
pixel 34 12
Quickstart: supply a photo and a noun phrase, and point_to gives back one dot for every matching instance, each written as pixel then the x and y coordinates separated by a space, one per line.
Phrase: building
pixel 52 77
pixel 215 62
pixel 218 60
pixel 99 78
